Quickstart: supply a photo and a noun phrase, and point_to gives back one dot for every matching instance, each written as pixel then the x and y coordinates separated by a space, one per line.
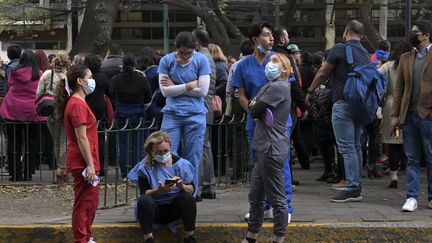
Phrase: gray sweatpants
pixel 207 181
pixel 58 134
pixel 267 181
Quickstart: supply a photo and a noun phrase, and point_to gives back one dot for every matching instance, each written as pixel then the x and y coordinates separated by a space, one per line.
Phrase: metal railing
pixel 32 160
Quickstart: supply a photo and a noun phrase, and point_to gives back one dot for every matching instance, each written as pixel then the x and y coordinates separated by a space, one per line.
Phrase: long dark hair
pixel 61 95
pixel 400 48
pixel 146 58
pixel 28 59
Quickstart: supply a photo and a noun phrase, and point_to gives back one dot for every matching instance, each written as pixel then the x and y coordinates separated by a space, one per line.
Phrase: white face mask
pixel 90 87
pixel 272 71
pixel 163 159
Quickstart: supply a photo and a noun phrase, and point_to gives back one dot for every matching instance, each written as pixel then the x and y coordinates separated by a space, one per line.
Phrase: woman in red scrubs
pixel 82 148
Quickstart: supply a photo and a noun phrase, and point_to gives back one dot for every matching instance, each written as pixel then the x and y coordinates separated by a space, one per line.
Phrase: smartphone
pixel 169 181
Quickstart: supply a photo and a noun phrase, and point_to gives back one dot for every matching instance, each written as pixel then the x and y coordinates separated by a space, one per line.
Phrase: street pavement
pixel 311 203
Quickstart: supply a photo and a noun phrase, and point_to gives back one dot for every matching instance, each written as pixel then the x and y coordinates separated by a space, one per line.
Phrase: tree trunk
pixel 371 34
pixel 217 23
pixel 95 33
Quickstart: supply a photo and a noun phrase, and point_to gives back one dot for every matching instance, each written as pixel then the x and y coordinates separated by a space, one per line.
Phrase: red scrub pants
pixel 86 201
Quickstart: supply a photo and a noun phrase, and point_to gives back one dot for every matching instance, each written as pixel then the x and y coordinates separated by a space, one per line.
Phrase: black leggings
pixel 396 155
pixel 183 206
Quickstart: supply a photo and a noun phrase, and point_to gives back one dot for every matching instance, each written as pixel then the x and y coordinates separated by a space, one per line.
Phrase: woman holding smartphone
pixel 82 157
pixel 166 188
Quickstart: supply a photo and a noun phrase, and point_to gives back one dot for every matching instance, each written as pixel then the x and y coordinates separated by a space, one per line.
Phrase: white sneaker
pixel 410 205
pixel 430 204
pixel 289 218
pixel 91 240
pixel 268 214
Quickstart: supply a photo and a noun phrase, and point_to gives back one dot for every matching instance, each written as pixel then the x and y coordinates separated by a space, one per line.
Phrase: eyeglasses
pixel 185 54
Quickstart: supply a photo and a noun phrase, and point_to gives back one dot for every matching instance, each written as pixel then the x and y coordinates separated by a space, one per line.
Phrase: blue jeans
pixel 188 133
pixel 417 134
pixel 347 130
pixel 131 145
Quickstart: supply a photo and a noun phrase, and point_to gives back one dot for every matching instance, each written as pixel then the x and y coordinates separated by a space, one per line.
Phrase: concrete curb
pixel 227 233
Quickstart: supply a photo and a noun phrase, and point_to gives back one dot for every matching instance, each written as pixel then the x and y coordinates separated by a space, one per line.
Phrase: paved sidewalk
pixel 310 200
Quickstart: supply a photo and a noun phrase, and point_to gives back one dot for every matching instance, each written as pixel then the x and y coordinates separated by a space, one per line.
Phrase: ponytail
pixel 62 90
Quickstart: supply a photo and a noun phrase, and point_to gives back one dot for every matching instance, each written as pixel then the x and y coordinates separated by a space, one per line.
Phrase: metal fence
pixel 26 154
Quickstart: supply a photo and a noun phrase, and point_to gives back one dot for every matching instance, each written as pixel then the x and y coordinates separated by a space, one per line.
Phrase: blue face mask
pixel 163 159
pixel 90 87
pixel 272 71
pixel 262 49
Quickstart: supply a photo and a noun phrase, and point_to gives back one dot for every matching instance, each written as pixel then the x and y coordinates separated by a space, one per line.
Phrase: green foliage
pixel 20 17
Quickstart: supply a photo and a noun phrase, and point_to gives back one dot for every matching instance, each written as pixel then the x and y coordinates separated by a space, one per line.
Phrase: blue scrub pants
pixel 287 170
pixel 188 131
pixel 131 142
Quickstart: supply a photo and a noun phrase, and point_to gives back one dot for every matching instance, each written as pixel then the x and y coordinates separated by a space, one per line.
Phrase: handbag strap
pixel 52 77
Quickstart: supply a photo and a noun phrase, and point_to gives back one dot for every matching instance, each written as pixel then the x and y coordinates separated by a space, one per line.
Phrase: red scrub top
pixel 77 113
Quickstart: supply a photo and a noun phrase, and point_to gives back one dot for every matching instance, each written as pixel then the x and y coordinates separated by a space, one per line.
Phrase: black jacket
pixel 112 65
pixel 96 100
pixel 297 95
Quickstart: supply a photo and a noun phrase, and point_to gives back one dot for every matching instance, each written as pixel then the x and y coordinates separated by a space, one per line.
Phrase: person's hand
pixel 192 85
pixel 179 182
pixel 395 121
pixel 308 98
pixel 166 81
pixel 91 174
pixel 162 189
pixel 304 115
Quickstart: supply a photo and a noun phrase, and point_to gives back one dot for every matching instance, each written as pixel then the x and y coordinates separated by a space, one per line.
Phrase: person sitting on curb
pixel 166 188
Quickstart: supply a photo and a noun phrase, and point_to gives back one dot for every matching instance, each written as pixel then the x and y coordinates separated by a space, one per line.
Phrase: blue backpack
pixel 364 89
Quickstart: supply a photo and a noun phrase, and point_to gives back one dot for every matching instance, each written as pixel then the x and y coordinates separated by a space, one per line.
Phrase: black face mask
pixel 413 40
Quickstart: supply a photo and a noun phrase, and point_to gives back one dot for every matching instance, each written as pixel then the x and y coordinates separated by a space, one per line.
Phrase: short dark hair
pixel 355 27
pixel 115 49
pixel 384 45
pixel 246 48
pixel 400 48
pixel 424 26
pixel 255 29
pixel 14 52
pixel 185 39
pixel 202 37
pixel 93 62
pixel 277 33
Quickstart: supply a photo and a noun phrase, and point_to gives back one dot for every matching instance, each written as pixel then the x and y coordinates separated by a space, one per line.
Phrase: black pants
pixel 300 147
pixel 372 148
pixel 19 135
pixel 396 155
pixel 184 207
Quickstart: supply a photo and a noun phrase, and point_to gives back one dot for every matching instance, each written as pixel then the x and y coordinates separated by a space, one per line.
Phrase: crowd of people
pixel 293 99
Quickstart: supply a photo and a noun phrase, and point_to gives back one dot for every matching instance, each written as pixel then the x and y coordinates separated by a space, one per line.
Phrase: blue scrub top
pixel 250 75
pixel 182 168
pixel 184 105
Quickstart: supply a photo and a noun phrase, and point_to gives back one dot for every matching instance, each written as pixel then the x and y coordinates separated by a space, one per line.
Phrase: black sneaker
pixel 347 196
pixel 208 195
pixel 190 239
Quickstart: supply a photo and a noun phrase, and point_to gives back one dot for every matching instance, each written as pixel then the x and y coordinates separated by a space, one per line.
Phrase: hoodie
pixel 19 103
